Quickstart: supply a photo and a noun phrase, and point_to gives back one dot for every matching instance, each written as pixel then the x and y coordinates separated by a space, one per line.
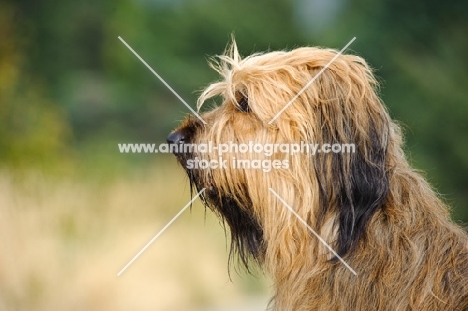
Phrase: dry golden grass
pixel 63 241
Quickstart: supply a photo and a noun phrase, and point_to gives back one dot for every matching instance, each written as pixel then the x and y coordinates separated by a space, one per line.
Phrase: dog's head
pixel 336 193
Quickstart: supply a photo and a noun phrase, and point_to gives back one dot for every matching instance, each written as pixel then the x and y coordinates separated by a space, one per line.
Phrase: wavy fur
pixel 378 213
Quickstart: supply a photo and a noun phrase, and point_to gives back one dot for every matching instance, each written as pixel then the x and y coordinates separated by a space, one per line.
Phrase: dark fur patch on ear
pixel 356 195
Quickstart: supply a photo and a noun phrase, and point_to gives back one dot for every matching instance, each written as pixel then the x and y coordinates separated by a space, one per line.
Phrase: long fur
pixel 379 214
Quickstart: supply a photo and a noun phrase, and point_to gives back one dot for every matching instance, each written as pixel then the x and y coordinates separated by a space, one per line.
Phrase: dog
pixel 383 238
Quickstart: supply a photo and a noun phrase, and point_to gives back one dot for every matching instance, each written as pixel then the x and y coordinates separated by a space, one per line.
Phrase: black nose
pixel 177 137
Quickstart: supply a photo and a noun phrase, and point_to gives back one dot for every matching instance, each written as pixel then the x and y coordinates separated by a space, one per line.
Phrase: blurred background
pixel 74 211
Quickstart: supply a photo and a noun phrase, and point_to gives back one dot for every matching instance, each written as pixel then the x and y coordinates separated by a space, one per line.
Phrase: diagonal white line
pixel 160 232
pixel 312 230
pixel 311 81
pixel 162 80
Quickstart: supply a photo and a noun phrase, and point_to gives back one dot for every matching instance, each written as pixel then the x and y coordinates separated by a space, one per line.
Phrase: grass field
pixel 64 239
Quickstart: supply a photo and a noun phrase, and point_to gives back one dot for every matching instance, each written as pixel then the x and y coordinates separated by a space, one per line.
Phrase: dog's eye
pixel 242 103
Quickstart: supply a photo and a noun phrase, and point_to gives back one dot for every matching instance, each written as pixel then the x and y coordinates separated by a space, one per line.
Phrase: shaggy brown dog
pixel 378 214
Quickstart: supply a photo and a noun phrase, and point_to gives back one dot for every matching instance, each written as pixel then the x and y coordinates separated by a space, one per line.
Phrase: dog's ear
pixel 353 186
pixel 364 189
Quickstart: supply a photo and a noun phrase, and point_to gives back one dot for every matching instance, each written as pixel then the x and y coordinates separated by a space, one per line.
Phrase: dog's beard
pixel 247 242
pixel 246 234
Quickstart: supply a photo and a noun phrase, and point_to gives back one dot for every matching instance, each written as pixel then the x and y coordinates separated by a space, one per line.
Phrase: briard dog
pixel 358 230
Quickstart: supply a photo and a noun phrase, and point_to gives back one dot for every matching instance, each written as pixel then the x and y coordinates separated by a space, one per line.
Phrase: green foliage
pixel 33 131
